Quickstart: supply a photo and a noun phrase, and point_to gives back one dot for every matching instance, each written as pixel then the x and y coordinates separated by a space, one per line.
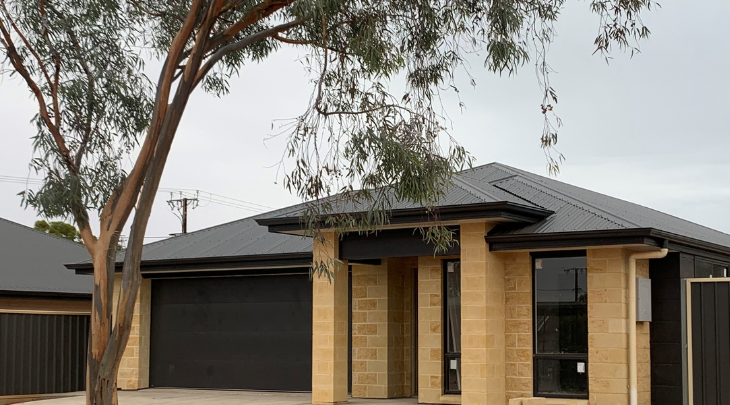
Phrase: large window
pixel 561 325
pixel 452 320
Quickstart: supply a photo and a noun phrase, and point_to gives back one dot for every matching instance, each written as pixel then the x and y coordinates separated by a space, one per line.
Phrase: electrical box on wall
pixel 643 299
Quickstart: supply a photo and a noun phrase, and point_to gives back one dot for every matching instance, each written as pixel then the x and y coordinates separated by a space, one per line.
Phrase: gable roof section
pixel 32 261
pixel 580 210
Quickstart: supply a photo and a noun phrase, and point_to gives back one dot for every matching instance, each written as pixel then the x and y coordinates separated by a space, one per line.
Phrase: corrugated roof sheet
pixel 578 209
pixel 575 209
pixel 243 237
pixel 33 261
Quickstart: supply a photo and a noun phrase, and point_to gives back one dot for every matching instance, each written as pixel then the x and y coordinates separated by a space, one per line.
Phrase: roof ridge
pixel 565 200
pixel 470 188
pixel 605 213
pixel 77 244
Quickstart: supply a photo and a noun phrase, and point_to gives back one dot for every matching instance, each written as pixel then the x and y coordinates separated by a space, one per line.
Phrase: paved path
pixel 170 396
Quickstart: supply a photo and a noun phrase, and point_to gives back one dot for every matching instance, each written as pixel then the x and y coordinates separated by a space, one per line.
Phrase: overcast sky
pixel 653 129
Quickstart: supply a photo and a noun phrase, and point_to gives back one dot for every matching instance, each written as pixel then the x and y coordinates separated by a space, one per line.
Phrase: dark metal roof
pixel 241 238
pixel 556 209
pixel 577 209
pixel 32 261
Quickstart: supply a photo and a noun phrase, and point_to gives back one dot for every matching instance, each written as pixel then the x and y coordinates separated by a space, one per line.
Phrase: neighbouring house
pixel 44 313
pixel 552 291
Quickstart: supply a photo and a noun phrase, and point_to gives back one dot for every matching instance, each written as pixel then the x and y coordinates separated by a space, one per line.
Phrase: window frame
pixel 557 356
pixel 447 356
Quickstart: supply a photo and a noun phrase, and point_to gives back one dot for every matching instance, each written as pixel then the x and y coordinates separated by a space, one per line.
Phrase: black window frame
pixel 448 356
pixel 560 356
pixel 713 263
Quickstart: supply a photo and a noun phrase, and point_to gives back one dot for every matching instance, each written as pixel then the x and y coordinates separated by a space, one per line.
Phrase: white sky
pixel 652 130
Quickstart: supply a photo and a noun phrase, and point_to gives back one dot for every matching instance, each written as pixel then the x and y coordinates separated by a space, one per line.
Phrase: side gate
pixel 707 359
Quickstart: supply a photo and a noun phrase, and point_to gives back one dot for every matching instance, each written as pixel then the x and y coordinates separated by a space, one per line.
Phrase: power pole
pixel 181 205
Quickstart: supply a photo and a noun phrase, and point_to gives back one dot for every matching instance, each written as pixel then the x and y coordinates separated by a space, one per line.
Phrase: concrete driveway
pixel 170 396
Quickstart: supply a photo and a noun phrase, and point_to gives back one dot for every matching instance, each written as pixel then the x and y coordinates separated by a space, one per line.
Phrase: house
pixel 552 291
pixel 44 313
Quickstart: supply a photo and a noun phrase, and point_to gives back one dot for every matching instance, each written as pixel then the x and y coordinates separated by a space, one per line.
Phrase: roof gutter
pixel 645 236
pixel 505 210
pixel 223 262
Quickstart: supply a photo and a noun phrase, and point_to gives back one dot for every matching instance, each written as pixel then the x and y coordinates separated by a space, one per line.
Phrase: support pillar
pixel 482 320
pixel 134 369
pixel 329 325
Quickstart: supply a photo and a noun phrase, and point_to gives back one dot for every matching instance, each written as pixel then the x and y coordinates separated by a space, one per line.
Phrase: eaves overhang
pixel 609 237
pixel 216 263
pixel 498 210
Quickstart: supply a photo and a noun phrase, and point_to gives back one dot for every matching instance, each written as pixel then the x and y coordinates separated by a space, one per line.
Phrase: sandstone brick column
pixel 329 325
pixel 370 331
pixel 518 324
pixel 430 338
pixel 482 320
pixel 134 369
pixel 607 326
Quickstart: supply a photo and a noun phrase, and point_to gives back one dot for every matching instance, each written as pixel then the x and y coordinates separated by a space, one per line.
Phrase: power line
pixel 213 197
pixel 20 180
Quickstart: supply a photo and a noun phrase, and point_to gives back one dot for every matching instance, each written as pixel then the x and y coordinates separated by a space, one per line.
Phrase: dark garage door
pixel 251 332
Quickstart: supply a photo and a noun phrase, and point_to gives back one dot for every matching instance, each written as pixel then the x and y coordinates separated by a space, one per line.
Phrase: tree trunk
pixel 98 389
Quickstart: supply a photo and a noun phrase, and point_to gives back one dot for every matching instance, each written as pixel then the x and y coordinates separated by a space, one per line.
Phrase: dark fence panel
pixel 42 354
pixel 711 343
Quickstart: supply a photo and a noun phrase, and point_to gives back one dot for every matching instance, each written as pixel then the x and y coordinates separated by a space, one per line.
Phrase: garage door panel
pixel 245 346
pixel 232 333
pixel 265 375
pixel 235 317
pixel 232 289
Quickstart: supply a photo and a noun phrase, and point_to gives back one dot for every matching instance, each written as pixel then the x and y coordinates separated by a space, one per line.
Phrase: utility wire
pixel 212 197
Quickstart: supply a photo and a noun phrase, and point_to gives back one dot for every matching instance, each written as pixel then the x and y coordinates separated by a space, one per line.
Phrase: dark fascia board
pixel 212 263
pixel 643 236
pixel 47 294
pixel 503 210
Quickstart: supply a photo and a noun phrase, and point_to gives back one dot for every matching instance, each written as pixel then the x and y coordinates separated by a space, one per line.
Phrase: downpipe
pixel 633 367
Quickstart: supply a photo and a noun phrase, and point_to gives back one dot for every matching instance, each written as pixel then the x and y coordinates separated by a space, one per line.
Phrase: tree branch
pixel 56 65
pixel 238 45
pixel 257 13
pixel 89 99
pixel 17 62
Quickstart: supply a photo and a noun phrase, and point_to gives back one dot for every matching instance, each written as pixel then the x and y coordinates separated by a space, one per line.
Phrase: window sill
pixel 453 399
pixel 566 401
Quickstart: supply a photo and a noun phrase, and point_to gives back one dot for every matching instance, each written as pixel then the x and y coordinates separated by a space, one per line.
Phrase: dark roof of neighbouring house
pixel 559 208
pixel 32 261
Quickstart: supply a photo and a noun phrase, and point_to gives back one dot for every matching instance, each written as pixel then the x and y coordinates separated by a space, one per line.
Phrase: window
pixel 561 325
pixel 706 269
pixel 452 320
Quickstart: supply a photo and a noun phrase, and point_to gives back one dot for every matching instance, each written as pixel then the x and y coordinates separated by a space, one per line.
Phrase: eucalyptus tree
pixel 357 138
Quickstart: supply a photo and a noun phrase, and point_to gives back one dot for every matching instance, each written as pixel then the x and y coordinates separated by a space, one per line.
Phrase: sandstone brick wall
pixel 400 287
pixel 330 309
pixel 370 331
pixel 134 369
pixel 608 329
pixel 482 319
pixel 430 338
pixel 381 330
pixel 518 324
